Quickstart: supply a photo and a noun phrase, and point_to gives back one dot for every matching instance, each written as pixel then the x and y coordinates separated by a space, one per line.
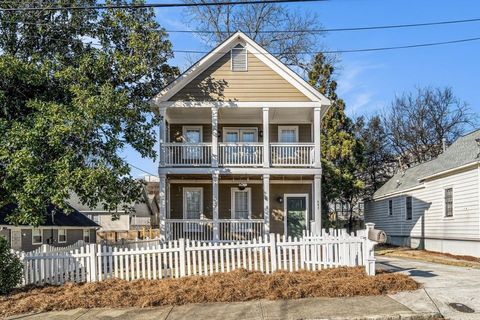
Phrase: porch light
pixel 242 185
pixel 280 199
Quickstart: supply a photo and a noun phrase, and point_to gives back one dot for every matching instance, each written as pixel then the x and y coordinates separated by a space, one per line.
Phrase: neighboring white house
pixel 434 205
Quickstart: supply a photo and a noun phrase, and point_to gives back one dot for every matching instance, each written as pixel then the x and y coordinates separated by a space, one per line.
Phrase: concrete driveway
pixel 442 286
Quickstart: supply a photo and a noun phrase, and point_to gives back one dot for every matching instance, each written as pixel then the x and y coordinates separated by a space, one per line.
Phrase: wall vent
pixel 239 58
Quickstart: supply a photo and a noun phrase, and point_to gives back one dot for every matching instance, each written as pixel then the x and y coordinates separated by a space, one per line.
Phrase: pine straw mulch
pixel 239 285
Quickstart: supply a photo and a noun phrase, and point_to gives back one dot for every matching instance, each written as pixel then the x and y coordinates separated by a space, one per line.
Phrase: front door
pixel 16 239
pixel 296 216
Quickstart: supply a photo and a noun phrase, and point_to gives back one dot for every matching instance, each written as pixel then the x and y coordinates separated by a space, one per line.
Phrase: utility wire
pixel 154 5
pixel 140 169
pixel 418 45
pixel 394 26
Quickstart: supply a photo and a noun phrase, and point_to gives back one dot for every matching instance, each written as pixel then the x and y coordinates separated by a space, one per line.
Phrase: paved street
pixel 442 285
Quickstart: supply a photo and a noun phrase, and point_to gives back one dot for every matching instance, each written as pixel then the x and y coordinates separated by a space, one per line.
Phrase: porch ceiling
pixel 240 115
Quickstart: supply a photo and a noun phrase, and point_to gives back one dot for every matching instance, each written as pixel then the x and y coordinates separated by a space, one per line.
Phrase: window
pixel 86 235
pixel 408 208
pixel 390 207
pixel 449 202
pixel 62 235
pixel 288 134
pixel 37 237
pixel 192 203
pixel 239 58
pixel 192 135
pixel 95 217
pixel 241 203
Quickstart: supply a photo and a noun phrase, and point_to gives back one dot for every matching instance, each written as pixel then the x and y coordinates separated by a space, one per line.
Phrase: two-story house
pixel 239 147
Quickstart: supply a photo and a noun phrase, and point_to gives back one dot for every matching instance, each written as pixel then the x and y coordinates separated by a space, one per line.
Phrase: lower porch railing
pixel 203 229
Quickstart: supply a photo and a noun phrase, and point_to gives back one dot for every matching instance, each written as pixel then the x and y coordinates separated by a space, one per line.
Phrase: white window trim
pixel 280 128
pixel 89 235
pixel 390 213
pixel 294 195
pixel 185 128
pixel 185 189
pixel 246 58
pixel 58 236
pixel 444 205
pixel 41 236
pixel 239 131
pixel 406 211
pixel 232 205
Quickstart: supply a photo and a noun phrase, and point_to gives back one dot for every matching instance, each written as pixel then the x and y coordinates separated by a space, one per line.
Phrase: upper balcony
pixel 249 137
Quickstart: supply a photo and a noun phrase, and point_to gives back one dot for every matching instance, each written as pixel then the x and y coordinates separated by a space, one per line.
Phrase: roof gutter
pixel 398 192
pixel 471 164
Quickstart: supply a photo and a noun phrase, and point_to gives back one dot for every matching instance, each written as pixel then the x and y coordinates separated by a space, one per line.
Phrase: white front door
pixel 16 239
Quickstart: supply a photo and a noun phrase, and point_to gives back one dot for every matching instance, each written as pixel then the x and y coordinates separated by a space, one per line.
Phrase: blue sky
pixel 369 81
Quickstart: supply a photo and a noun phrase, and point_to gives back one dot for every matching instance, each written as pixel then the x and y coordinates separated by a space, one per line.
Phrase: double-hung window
pixel 37 236
pixel 449 202
pixel 409 208
pixel 62 235
pixel 288 134
pixel 241 209
pixel 192 135
pixel 86 235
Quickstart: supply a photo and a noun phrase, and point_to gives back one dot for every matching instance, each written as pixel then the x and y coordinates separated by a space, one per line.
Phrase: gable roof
pixel 252 47
pixel 73 219
pixel 464 151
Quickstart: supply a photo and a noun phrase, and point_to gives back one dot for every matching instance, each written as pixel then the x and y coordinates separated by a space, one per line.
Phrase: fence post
pixel 369 252
pixel 181 245
pixel 93 262
pixel 273 252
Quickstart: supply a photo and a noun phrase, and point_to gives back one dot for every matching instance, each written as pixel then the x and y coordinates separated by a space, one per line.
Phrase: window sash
pixel 390 207
pixel 37 236
pixel 409 208
pixel 192 203
pixel 449 202
pixel 241 203
pixel 288 134
pixel 62 235
pixel 86 235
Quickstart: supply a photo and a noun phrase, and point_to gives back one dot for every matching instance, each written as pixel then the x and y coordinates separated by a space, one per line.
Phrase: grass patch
pixel 428 256
pixel 239 285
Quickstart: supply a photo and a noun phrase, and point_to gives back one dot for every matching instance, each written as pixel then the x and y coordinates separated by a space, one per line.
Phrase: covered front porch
pixel 223 208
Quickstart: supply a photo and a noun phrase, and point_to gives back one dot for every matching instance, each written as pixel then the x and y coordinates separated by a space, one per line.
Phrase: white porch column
pixel 163 136
pixel 266 139
pixel 316 136
pixel 216 236
pixel 266 204
pixel 317 198
pixel 163 205
pixel 214 137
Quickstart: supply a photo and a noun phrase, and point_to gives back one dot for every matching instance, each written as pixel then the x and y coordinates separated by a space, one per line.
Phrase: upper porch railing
pixel 239 154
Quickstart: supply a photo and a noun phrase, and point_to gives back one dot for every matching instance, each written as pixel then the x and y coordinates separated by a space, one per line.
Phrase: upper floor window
pixel 288 134
pixel 408 208
pixel 449 202
pixel 390 207
pixel 239 58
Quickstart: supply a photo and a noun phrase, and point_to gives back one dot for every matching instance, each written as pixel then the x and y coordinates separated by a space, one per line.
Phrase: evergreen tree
pixel 341 151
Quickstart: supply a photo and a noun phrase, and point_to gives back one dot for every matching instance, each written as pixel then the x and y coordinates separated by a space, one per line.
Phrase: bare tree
pixel 216 23
pixel 418 123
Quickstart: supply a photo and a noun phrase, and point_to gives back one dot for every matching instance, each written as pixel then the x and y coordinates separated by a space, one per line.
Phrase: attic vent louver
pixel 239 58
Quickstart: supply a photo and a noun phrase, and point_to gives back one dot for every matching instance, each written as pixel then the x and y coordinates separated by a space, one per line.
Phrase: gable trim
pixel 252 47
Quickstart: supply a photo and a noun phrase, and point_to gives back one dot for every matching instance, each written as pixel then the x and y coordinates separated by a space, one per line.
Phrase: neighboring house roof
pixel 463 151
pixel 263 55
pixel 60 219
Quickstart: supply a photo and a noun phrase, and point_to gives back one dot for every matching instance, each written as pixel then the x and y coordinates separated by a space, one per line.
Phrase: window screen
pixel 408 205
pixel 449 202
pixel 239 59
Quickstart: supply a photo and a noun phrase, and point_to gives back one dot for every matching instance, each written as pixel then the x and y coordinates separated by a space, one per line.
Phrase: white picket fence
pixel 187 258
pixel 49 248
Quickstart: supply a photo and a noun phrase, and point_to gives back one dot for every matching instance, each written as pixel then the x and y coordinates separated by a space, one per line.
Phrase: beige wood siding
pixel 259 83
pixel 276 190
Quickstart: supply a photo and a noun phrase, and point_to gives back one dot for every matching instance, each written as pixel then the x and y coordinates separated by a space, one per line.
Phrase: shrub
pixel 10 268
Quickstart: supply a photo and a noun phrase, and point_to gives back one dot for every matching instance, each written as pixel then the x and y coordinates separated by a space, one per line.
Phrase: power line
pixel 140 169
pixel 156 5
pixel 394 26
pixel 418 45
